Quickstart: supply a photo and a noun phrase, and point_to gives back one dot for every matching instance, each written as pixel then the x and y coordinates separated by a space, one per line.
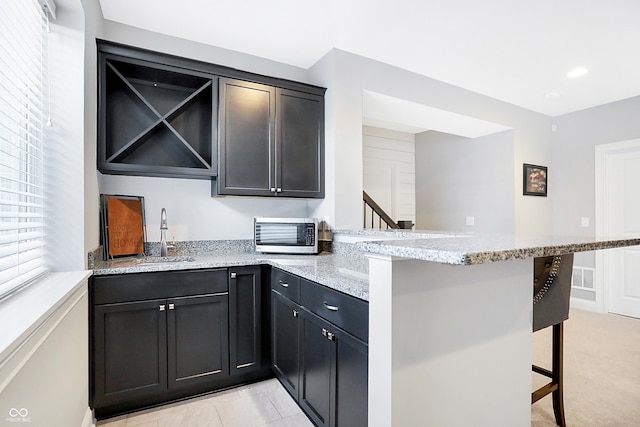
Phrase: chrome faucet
pixel 163 232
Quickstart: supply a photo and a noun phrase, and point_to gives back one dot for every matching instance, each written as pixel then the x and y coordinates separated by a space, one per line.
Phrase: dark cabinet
pixel 145 348
pixel 285 321
pixel 163 115
pixel 333 374
pixel 172 344
pixel 155 119
pixel 300 144
pixel 322 365
pixel 130 349
pixel 247 138
pixel 245 319
pixel 271 141
pixel 197 335
pixel 162 336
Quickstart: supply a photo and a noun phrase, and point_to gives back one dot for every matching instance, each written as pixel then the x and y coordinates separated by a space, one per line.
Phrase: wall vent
pixel 583 278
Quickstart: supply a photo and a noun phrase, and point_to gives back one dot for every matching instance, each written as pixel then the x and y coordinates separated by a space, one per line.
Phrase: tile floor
pixel 261 404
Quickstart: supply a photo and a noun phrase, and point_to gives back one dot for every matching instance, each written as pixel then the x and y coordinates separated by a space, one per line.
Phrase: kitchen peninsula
pixel 449 332
pixel 450 327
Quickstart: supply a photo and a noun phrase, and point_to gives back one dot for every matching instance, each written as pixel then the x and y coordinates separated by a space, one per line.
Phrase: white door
pixel 621 208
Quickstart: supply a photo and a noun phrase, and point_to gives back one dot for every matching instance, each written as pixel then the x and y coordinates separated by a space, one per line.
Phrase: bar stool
pixel 551 292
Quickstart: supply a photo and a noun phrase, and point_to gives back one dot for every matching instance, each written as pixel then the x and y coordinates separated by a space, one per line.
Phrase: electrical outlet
pixel 584 222
pixel 471 220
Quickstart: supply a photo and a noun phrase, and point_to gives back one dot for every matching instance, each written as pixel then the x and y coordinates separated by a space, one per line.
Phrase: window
pixel 23 114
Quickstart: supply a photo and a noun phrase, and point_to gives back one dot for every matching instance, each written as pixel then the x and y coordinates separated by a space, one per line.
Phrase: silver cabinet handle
pixel 331 307
pixel 283 284
pixel 278 190
pixel 273 189
pixel 328 335
pixel 172 306
pixel 295 313
pixel 162 307
pixel 233 275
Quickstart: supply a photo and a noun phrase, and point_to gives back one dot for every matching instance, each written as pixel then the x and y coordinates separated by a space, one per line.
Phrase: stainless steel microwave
pixel 286 235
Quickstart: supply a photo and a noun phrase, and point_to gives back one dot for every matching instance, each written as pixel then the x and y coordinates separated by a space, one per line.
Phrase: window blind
pixel 22 115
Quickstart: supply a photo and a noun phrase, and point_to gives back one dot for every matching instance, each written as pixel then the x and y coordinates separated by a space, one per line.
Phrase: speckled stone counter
pixel 439 305
pixel 345 270
pixel 469 249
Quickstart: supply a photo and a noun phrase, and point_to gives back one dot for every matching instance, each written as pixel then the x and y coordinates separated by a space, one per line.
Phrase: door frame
pixel 603 175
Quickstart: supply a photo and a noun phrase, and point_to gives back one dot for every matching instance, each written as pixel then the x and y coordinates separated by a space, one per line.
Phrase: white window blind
pixel 22 115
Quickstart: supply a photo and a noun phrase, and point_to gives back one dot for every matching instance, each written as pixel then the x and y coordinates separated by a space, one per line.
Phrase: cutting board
pixel 124 225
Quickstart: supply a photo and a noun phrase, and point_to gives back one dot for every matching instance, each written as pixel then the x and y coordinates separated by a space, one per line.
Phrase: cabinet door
pixel 246 138
pixel 317 379
pixel 130 356
pixel 300 144
pixel 352 380
pixel 285 337
pixel 245 331
pixel 197 330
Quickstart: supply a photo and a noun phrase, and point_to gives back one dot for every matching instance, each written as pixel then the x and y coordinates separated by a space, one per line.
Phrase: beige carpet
pixel 602 371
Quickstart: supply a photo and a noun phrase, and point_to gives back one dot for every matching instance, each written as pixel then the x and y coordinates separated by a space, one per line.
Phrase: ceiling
pixel 513 50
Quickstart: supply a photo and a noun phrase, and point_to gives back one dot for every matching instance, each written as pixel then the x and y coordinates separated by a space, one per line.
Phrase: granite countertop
pixel 467 249
pixel 345 271
pixel 346 268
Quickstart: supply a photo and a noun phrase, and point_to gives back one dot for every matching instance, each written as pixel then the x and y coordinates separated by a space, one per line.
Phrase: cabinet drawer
pixel 286 283
pixel 162 284
pixel 344 311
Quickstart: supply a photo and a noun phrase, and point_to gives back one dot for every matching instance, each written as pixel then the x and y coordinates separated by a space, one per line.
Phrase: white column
pixel 449 345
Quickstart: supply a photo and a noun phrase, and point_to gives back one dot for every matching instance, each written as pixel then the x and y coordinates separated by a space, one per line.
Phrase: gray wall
pixel 572 171
pixel 346 76
pixel 458 177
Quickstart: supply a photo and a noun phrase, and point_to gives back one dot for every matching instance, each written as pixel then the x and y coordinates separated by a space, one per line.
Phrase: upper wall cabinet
pixel 155 119
pixel 271 141
pixel 163 115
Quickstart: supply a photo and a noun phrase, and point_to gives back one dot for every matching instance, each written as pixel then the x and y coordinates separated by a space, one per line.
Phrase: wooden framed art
pixel 534 180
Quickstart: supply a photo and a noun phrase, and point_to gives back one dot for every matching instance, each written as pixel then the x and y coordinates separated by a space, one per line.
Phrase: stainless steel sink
pixel 152 260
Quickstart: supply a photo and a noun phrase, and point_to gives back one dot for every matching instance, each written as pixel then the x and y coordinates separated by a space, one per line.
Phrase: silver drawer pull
pixel 172 307
pixel 162 307
pixel 331 307
pixel 233 275
pixel 283 284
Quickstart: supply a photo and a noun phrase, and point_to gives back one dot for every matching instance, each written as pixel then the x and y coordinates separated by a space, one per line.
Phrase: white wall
pixel 572 172
pixel 47 372
pixel 64 142
pixel 389 170
pixel 93 28
pixel 346 75
pixel 458 177
pixel 192 214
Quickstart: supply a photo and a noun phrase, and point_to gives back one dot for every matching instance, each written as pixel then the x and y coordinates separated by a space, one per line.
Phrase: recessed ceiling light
pixel 577 72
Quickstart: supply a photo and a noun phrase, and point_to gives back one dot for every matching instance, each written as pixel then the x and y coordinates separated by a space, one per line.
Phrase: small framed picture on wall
pixel 534 180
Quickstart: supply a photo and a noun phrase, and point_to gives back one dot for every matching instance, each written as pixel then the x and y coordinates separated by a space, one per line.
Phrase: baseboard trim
pixel 88 421
pixel 583 304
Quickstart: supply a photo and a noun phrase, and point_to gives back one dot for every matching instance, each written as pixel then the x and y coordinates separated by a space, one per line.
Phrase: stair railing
pixel 376 213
